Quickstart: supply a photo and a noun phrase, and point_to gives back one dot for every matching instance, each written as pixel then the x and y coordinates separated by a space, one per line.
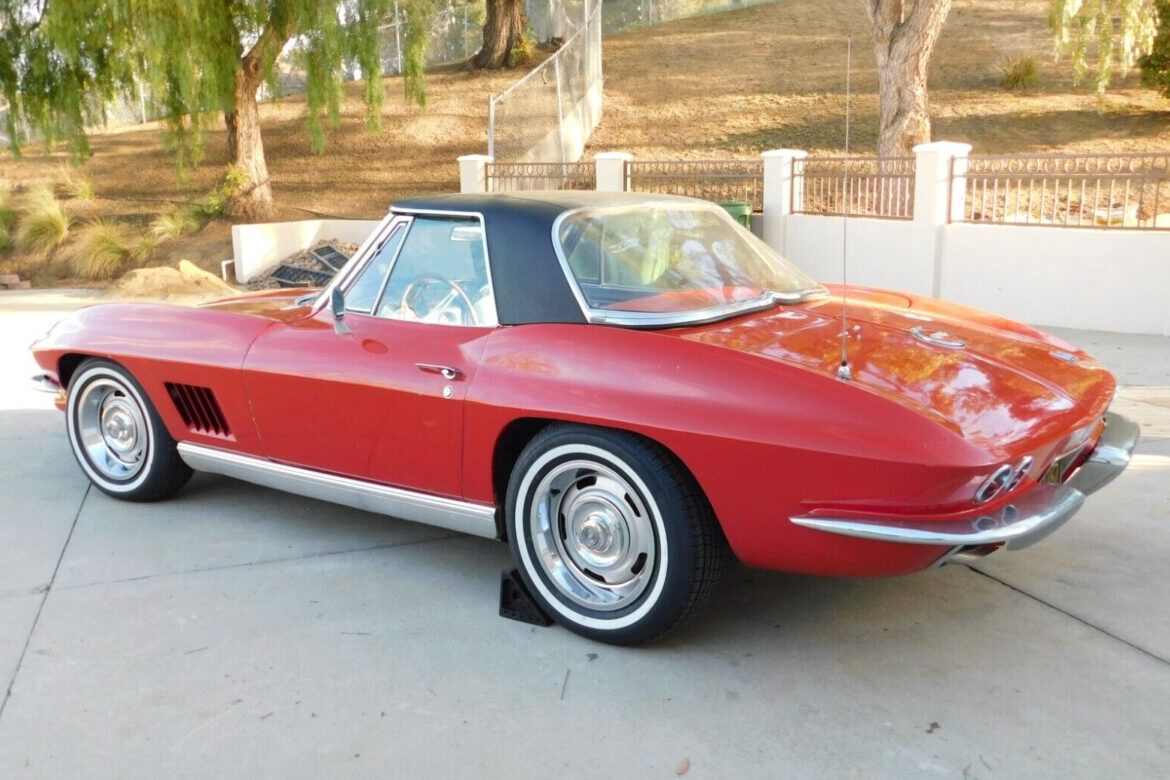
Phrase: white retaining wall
pixel 258 248
pixel 1115 280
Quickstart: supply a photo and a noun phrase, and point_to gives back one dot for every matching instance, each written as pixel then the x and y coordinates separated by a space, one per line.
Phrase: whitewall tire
pixel 611 534
pixel 117 436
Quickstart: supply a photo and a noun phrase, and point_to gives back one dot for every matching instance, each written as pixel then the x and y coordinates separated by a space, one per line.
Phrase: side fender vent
pixel 199 409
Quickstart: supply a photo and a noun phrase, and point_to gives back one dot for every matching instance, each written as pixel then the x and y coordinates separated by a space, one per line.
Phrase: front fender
pixel 159 343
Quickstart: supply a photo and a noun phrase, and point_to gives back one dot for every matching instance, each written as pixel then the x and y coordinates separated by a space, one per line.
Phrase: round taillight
pixel 993 484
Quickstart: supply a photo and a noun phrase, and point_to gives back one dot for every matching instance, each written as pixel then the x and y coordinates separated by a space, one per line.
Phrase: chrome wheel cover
pixel 112 429
pixel 592 534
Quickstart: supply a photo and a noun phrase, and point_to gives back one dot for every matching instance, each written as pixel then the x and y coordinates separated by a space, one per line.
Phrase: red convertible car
pixel 619 385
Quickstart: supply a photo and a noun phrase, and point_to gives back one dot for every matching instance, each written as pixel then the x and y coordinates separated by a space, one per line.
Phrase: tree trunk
pixel 502 30
pixel 229 121
pixel 254 201
pixel 245 147
pixel 904 109
pixel 903 44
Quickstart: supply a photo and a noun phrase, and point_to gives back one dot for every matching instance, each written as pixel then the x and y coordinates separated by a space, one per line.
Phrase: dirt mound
pixel 185 284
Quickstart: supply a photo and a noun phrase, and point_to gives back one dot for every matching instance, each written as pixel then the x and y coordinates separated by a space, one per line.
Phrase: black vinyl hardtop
pixel 529 282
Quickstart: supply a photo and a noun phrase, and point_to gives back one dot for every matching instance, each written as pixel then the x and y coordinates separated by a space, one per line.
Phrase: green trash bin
pixel 740 211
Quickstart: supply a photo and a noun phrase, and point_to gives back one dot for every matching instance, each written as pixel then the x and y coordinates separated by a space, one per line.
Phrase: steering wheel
pixel 455 293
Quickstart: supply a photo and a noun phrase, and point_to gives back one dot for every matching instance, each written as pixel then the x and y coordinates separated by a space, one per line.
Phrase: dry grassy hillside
pixel 773 76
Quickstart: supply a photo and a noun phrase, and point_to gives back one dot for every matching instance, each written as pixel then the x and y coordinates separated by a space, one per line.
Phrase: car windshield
pixel 673 259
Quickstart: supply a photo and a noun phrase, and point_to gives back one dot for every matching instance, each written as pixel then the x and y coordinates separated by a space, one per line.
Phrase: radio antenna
pixel 843 371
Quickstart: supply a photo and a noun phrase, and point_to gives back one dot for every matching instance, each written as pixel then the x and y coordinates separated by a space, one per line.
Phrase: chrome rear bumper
pixel 1024 521
pixel 1110 457
pixel 47 383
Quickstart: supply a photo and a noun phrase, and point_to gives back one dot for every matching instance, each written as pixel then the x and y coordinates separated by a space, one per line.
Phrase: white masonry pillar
pixel 611 170
pixel 473 172
pixel 783 194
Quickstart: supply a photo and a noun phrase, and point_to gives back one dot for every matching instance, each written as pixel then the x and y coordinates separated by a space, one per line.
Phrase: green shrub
pixel 215 203
pixel 105 249
pixel 70 184
pixel 40 222
pixel 1156 64
pixel 102 250
pixel 5 239
pixel 141 248
pixel 7 213
pixel 1019 73
pixel 172 224
pixel 524 51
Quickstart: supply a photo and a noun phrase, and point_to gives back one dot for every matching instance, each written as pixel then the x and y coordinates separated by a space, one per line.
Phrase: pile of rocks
pixel 313 267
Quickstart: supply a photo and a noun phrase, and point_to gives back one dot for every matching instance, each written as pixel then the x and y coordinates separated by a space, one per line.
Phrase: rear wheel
pixel 117 436
pixel 611 534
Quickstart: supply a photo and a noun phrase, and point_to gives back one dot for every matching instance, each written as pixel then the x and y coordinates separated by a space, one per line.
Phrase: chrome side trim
pixel 462 516
pixel 1111 456
pixel 1025 521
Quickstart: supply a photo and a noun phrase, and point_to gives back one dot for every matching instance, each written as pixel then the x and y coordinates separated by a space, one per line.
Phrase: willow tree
pixel 1105 38
pixel 904 33
pixel 1155 65
pixel 62 61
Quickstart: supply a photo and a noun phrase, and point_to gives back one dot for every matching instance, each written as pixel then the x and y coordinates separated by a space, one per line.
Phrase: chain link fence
pixel 548 114
pixel 454 35
pixel 624 14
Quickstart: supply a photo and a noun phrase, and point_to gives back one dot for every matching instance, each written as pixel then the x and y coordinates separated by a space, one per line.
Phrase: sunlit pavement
pixel 235 631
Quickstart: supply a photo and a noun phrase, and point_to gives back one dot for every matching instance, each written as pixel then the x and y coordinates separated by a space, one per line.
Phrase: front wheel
pixel 611 534
pixel 118 437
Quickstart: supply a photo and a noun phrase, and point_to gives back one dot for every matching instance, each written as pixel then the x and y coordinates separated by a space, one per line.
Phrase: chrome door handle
pixel 447 372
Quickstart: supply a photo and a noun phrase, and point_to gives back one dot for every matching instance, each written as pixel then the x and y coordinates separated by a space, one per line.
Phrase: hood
pixel 993 381
pixel 278 305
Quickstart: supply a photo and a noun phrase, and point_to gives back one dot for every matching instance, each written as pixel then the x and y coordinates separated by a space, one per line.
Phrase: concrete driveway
pixel 235 631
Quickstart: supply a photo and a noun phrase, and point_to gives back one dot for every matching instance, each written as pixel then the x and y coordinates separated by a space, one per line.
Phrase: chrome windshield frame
pixel 404 217
pixel 637 319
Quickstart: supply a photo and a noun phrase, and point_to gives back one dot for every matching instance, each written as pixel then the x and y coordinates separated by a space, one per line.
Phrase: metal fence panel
pixel 714 180
pixel 881 187
pixel 1068 190
pixel 510 177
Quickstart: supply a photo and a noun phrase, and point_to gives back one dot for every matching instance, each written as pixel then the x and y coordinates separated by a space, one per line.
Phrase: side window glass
pixel 363 293
pixel 441 275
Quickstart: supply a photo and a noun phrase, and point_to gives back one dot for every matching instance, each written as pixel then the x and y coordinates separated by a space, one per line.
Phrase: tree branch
pixel 884 17
pixel 280 27
pixel 922 27
pixel 927 16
